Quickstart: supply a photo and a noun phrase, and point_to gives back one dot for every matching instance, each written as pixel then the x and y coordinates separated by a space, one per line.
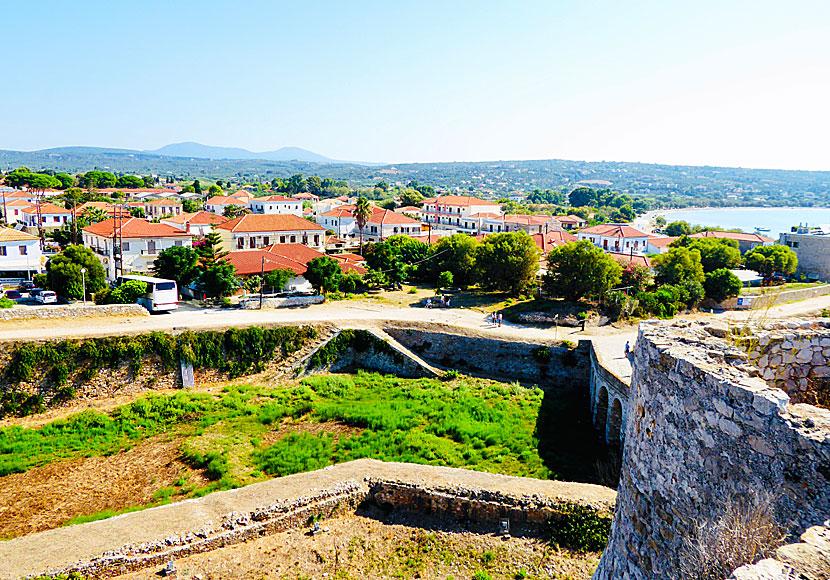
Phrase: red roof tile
pixel 270 223
pixel 197 218
pixel 738 236
pixel 633 259
pixel 294 257
pixel 660 242
pixel 614 231
pixel 163 202
pixel 461 200
pixel 551 239
pixel 47 208
pixel 136 228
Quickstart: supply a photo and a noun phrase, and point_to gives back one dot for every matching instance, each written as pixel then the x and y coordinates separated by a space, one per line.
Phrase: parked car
pixel 13 294
pixel 35 291
pixel 26 285
pixel 47 297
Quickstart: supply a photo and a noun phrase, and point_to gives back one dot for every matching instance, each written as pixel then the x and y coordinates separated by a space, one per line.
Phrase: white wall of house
pixel 22 255
pixel 49 220
pixel 261 205
pixel 154 211
pixel 344 227
pixel 638 244
pixel 233 241
pixel 138 253
pixel 376 232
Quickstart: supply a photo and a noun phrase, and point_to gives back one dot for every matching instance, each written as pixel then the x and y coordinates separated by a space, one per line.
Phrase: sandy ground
pixel 375 546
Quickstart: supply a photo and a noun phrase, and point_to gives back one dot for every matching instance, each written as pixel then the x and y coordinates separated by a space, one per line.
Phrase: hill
pixel 191 149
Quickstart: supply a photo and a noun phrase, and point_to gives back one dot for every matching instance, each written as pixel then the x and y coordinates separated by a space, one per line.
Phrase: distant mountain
pixel 87 151
pixel 199 151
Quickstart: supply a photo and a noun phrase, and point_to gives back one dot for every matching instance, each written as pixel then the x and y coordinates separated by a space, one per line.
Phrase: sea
pixel 777 219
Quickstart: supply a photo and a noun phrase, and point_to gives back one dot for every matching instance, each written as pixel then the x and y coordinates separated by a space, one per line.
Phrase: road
pixel 609 341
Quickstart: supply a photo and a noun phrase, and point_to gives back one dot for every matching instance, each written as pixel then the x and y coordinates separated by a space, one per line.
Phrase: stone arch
pixel 601 408
pixel 614 423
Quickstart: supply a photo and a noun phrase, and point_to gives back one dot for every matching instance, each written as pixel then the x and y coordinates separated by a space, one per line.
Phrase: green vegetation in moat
pixel 471 423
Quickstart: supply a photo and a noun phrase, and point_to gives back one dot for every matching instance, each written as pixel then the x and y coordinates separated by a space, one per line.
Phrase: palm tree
pixel 96 214
pixel 362 213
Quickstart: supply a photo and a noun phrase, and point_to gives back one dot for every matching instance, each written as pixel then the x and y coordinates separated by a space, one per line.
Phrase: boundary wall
pixel 58 311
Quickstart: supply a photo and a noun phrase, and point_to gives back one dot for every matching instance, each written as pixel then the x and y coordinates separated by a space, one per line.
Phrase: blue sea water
pixel 777 219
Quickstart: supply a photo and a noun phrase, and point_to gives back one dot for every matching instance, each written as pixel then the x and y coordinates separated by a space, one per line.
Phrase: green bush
pixel 580 527
pixel 542 354
pixel 6 303
pixel 295 453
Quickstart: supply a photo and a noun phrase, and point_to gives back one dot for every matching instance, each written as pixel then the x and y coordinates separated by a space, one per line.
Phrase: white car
pixel 47 297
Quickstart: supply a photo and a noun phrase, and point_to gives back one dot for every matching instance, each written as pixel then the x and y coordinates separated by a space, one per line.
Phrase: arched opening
pixel 614 423
pixel 601 408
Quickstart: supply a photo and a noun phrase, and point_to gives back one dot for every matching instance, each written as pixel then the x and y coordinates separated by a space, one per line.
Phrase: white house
pixel 51 217
pixel 14 208
pixel 253 231
pixel 218 203
pixel 20 254
pixel 141 242
pixel 199 223
pixel 159 208
pixel 276 204
pixel 658 245
pixel 380 225
pixel 458 212
pixel 618 238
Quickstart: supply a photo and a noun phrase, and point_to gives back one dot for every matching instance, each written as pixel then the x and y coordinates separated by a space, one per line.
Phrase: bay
pixel 777 219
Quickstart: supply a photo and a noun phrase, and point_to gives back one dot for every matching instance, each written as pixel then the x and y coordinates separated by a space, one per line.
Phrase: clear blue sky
pixel 728 82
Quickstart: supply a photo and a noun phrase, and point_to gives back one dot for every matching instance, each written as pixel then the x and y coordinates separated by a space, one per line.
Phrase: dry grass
pixel 746 532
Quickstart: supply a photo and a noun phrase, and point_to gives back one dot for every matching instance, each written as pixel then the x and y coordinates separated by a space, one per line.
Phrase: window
pixel 316 239
pixel 2 250
pixel 252 243
pixel 282 239
pixel 125 246
pixel 240 243
pixel 23 250
pixel 151 247
pixel 266 241
pixel 305 240
pixel 177 243
pixel 293 239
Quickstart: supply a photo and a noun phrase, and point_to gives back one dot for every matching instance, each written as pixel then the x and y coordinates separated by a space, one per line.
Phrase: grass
pixel 758 290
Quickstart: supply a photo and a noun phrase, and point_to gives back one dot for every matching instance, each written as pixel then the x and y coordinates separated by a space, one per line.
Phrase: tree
pixel 138 212
pixel 129 182
pixel 716 253
pixel 721 284
pixel 190 206
pixel 323 274
pixel 445 280
pixel 314 185
pixel 93 215
pixel 214 189
pixel 582 196
pixel 197 187
pixel 678 228
pixel 234 211
pixel 362 213
pixel 127 293
pixel 295 184
pixel 384 257
pixel 64 272
pixel 149 181
pixel 678 265
pixel 456 254
pixel 350 282
pixel 636 278
pixel 66 181
pixel 277 279
pixel 252 284
pixel 179 263
pixel 767 260
pixel 507 261
pixel 382 184
pixel 388 204
pixel 210 251
pixel 411 196
pixel 580 269
pixel 218 280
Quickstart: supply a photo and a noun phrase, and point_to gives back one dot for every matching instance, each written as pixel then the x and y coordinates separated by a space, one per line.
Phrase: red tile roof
pixel 570 219
pixel 19 203
pixel 136 228
pixel 534 220
pixel 224 200
pixel 112 210
pixel 294 257
pixel 306 195
pixel 379 215
pixel 408 209
pixel 270 223
pixel 660 242
pixel 276 198
pixel 633 259
pixel 461 200
pixel 738 236
pixel 197 218
pixel 551 239
pixel 10 235
pixel 47 208
pixel 614 231
pixel 163 202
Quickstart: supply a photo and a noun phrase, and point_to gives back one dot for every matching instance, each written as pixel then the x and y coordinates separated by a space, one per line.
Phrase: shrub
pixel 445 279
pixel 295 453
pixel 580 527
pixel 542 354
pixel 350 282
pixel 6 303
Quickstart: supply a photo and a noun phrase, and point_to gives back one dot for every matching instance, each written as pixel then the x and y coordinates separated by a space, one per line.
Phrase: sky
pixel 726 82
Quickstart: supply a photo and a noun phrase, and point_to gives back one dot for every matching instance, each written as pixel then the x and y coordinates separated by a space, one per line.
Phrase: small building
pixel 199 223
pixel 276 204
pixel 159 208
pixel 746 242
pixel 812 248
pixel 659 245
pixel 141 242
pixel 51 217
pixel 458 212
pixel 15 209
pixel 20 255
pixel 636 259
pixel 254 231
pixel 546 242
pixel 620 238
pixel 572 222
pixel 112 210
pixel 532 224
pixel 218 203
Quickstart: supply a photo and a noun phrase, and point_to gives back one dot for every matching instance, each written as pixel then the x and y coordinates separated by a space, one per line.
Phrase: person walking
pixel 500 317
pixel 627 349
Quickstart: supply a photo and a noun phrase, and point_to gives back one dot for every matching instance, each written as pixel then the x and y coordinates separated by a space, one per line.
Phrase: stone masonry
pixel 704 426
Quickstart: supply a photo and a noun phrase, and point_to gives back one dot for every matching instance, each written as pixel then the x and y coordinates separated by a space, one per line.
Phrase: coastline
pixel 645 222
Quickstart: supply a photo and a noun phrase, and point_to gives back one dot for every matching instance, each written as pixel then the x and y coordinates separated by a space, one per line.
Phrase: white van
pixel 162 295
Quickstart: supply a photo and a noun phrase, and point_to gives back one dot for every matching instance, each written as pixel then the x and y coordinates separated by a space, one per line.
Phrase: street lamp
pixel 83 283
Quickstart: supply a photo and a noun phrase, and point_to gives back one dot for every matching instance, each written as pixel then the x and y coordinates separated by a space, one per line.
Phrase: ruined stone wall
pixel 703 425
pixel 609 401
pixel 568 365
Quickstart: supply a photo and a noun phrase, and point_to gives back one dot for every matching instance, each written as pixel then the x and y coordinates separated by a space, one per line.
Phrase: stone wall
pixel 771 298
pixel 153 537
pixel 808 559
pixel 568 366
pixel 57 311
pixel 297 301
pixel 703 427
pixel 609 401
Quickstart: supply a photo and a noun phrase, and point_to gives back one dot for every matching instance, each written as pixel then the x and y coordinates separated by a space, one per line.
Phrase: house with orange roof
pixel 293 257
pixel 410 210
pixel 141 242
pixel 572 222
pixel 746 242
pixel 49 215
pixel 532 224
pixel 637 259
pixel 276 204
pixel 20 254
pixel 382 224
pixel 16 194
pixel 199 223
pixel 547 241
pixel 462 213
pixel 218 203
pixel 15 209
pixel 615 238
pixel 111 210
pixel 159 208
pixel 252 231
pixel 306 196
pixel 659 245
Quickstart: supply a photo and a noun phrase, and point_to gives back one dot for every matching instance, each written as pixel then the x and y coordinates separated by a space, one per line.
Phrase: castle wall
pixel 703 426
